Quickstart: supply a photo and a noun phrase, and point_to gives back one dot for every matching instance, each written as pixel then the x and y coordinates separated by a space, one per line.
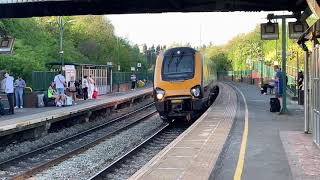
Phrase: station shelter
pixel 309 41
pixel 101 74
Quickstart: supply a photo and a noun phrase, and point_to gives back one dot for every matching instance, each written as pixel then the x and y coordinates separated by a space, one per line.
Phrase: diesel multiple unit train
pixel 184 83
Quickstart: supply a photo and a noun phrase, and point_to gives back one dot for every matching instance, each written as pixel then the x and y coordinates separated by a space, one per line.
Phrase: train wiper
pixel 179 61
pixel 170 61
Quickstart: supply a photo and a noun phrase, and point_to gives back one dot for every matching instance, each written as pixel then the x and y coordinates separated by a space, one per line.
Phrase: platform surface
pixel 193 154
pixel 29 116
pixel 276 146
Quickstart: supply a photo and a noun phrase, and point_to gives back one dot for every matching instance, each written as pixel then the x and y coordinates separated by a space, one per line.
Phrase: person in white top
pixel 85 85
pixel 9 89
pixel 90 87
pixel 60 83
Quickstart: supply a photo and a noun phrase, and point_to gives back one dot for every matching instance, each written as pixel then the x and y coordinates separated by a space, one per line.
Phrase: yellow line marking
pixel 239 169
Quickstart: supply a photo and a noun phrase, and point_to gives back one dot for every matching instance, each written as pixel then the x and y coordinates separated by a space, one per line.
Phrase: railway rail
pixel 126 165
pixel 27 164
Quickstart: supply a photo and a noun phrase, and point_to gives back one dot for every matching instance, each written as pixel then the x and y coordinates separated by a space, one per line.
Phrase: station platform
pixel 239 138
pixel 30 118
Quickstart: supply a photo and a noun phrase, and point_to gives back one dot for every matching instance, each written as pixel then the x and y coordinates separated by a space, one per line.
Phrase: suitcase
pixel 274 105
pixel 68 101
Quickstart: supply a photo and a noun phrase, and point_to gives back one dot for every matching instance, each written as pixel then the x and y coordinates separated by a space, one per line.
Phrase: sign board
pixel 296 29
pixel 133 68
pixel 269 31
pixel 6 45
pixel 109 63
pixel 119 68
pixel 70 71
pixel 248 62
pixel 139 65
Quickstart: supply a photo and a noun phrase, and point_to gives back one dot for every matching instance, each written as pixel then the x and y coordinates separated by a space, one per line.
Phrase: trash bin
pixel 40 102
pixel 30 100
pixel 301 97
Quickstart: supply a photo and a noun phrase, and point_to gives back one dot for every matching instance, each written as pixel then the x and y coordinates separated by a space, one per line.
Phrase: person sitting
pixel 51 97
pixel 60 100
pixel 271 86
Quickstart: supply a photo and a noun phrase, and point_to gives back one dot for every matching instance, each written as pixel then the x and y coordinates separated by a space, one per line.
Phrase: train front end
pixel 178 90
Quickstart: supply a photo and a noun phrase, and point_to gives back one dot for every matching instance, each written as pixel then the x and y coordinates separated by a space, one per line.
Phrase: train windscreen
pixel 178 67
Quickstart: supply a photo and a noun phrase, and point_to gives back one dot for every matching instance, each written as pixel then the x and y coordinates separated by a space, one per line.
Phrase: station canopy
pixel 29 8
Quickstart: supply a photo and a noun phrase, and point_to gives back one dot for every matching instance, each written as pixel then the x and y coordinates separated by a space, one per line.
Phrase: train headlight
pixel 196 91
pixel 159 94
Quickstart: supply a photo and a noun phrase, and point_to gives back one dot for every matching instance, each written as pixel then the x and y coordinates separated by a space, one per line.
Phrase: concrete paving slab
pixel 39 116
pixel 207 135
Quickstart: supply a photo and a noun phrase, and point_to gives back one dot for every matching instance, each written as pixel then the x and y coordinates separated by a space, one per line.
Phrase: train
pixel 185 83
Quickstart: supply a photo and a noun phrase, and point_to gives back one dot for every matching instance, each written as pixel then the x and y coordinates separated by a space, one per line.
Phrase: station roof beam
pixel 29 8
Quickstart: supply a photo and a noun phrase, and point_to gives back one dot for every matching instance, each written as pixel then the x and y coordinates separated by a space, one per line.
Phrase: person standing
pixel 9 91
pixel 72 86
pixel 90 87
pixel 60 83
pixel 133 79
pixel 20 84
pixel 85 85
pixel 279 81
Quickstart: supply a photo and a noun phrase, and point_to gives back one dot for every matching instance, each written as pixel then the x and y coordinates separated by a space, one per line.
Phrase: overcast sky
pixel 167 28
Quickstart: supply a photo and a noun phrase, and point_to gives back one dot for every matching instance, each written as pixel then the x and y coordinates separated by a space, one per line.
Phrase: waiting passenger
pixel 133 79
pixel 85 86
pixel 20 84
pixel 72 86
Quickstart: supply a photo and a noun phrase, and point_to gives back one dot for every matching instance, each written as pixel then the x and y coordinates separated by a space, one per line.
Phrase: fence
pixel 261 71
pixel 42 79
pixel 124 77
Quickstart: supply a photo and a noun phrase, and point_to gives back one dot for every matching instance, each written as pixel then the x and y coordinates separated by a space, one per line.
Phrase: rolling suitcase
pixel 274 105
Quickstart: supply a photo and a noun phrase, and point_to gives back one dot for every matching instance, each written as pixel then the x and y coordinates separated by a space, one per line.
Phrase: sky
pixel 193 28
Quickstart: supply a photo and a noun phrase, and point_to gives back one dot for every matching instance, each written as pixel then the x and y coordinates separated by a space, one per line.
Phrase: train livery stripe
pixel 239 169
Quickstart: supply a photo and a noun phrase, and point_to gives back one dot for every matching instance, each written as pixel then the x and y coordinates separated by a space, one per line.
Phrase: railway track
pixel 28 164
pixel 126 165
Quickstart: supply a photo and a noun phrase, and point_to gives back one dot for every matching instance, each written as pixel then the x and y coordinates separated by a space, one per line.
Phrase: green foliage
pixel 87 39
pixel 248 47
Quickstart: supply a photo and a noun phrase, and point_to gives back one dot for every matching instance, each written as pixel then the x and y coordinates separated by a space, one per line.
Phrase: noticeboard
pixel 269 31
pixel 6 45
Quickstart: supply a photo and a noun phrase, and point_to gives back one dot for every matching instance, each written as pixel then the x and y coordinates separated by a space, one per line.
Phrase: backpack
pixel 72 86
pixel 2 110
pixel 274 105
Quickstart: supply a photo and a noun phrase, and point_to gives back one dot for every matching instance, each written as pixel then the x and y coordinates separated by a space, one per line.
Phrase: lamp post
pixel 61 27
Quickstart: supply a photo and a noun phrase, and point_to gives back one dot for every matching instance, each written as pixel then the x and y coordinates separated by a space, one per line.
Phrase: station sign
pixel 6 45
pixel 109 63
pixel 296 29
pixel 269 31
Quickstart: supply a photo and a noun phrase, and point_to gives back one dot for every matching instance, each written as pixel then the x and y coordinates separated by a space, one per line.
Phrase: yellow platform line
pixel 239 169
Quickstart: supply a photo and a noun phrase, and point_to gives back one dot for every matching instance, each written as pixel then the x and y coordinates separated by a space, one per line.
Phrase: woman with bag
pixel 91 87
pixel 72 86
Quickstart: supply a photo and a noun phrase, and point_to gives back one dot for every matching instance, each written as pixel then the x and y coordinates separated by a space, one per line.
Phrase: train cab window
pixel 178 67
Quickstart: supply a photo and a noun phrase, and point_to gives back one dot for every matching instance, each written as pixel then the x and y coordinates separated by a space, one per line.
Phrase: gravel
pixel 84 165
pixel 16 149
pixel 132 163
